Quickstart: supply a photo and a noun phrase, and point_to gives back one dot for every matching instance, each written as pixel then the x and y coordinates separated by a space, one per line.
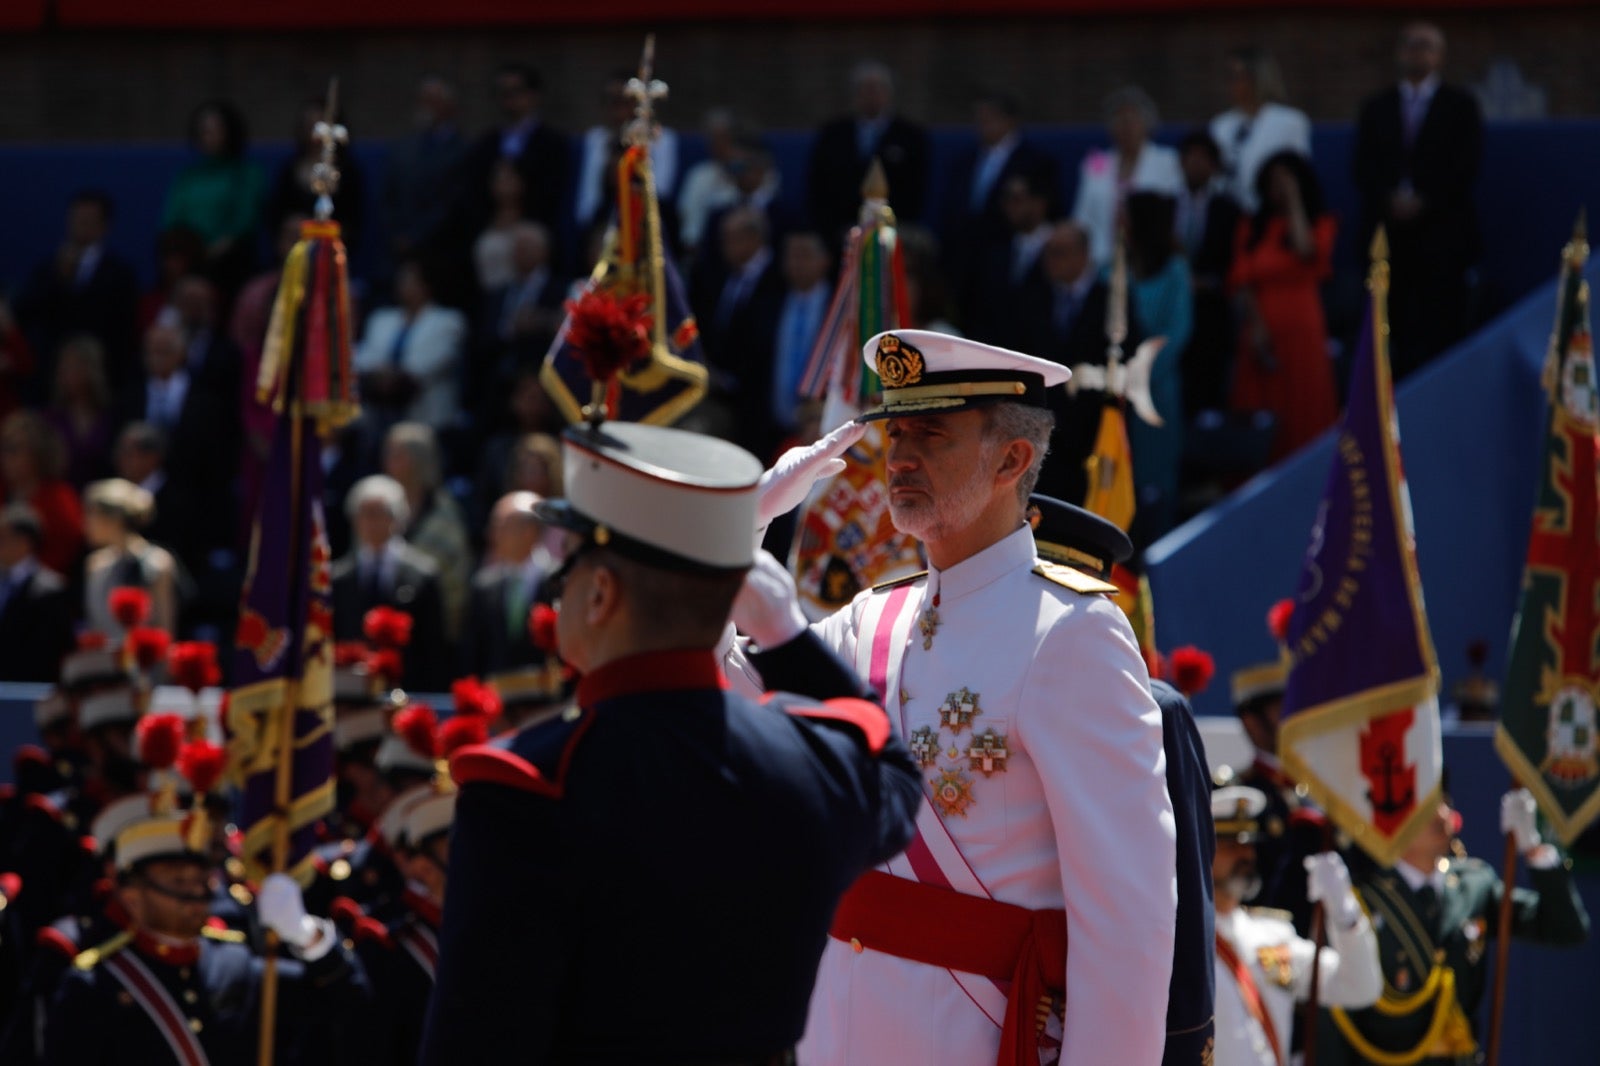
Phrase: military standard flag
pixel 1360 726
pixel 845 539
pixel 1548 732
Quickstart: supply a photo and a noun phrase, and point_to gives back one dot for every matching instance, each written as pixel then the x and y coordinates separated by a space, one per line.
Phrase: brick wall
pixel 78 86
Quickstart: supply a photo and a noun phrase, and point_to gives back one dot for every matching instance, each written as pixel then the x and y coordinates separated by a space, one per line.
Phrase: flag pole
pixel 1502 951
pixel 1319 939
pixel 325 178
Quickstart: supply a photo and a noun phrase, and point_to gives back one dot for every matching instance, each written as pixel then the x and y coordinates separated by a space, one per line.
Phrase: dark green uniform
pixel 1429 943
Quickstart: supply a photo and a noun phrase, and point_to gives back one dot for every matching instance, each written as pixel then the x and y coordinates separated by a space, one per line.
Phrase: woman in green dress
pixel 218 195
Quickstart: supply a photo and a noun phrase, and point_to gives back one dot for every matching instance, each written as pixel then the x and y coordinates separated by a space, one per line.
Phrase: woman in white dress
pixel 1131 164
pixel 1259 125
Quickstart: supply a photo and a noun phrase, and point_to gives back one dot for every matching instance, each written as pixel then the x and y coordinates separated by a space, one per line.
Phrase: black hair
pixel 528 75
pixel 99 198
pixel 235 132
pixel 1150 220
pixel 1305 177
pixel 1201 138
pixel 1005 103
pixel 23 520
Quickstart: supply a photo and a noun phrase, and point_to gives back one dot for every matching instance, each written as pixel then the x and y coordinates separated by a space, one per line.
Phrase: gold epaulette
pixel 898 581
pixel 89 958
pixel 1270 912
pixel 225 936
pixel 1076 580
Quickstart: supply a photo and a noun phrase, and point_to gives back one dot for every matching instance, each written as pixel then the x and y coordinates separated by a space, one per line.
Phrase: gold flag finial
pixel 876 184
pixel 331 135
pixel 1378 272
pixel 1117 303
pixel 1576 252
pixel 644 91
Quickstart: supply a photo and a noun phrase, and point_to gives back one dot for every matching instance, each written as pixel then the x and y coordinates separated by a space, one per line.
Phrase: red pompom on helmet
pixel 474 699
pixel 158 739
pixel 1191 669
pixel 147 646
pixel 202 763
pixel 387 627
pixel 460 732
pixel 1278 620
pixel 542 627
pixel 129 606
pixel 418 726
pixel 193 664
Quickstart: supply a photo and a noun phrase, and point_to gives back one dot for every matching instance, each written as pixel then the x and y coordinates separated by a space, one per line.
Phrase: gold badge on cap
pixel 899 363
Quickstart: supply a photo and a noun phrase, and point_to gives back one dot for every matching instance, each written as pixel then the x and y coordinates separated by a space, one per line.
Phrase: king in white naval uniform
pixel 1263 966
pixel 1041 881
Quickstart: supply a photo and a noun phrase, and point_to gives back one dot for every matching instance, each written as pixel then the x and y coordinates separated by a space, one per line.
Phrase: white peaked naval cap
pixel 665 497
pixel 932 373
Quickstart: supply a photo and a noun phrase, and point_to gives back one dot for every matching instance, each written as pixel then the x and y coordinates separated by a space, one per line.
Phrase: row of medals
pixel 984 752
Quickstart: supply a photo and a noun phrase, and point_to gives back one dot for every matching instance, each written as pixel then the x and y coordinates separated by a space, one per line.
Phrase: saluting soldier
pixel 171 988
pixel 1024 699
pixel 649 877
pixel 401 960
pixel 1435 912
pixel 1263 965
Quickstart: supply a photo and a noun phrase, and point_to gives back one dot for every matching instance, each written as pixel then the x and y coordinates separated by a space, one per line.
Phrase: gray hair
pixel 1006 422
pixel 1136 98
pixel 385 490
pixel 872 70
pixel 421 446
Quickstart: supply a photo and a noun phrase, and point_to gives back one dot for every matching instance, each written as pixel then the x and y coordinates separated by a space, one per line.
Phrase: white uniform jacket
pixel 1064 805
pixel 1280 962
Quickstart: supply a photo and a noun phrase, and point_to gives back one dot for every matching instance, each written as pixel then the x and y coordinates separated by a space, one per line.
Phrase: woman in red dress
pixel 1281 258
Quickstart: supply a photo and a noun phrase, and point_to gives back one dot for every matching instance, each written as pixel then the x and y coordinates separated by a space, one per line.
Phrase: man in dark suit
pixel 422 177
pixel 845 148
pixel 84 288
pixel 506 588
pixel 1418 147
pixel 973 210
pixel 384 571
pixel 210 357
pixel 35 611
pixel 522 138
pixel 1065 322
pixel 751 167
pixel 200 428
pixel 184 515
pixel 1206 222
pixel 738 312
pixel 1008 275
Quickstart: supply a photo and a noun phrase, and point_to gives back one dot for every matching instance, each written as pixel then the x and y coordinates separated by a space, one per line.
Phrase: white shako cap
pixel 160 836
pixel 931 373
pixel 664 497
pixel 429 817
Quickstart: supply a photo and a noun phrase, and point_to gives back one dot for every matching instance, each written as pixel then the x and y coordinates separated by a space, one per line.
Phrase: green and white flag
pixel 1548 733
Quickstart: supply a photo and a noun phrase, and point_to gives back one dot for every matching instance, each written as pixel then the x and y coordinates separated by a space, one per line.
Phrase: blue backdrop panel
pixel 1470 426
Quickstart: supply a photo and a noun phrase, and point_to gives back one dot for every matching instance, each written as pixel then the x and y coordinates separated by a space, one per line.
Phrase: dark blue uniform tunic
pixel 650 879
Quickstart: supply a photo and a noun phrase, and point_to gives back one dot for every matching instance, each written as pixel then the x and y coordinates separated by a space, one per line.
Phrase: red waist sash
pixel 941 927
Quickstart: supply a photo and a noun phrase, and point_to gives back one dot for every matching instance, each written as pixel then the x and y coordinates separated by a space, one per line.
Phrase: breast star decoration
pixel 958 710
pixel 988 753
pixel 952 792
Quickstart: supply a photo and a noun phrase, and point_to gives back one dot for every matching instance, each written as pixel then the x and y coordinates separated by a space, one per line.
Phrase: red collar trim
pixel 656 671
pixel 422 907
pixel 164 951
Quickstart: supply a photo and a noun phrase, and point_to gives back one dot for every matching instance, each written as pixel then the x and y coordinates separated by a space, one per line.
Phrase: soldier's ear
pixel 1014 460
pixel 603 596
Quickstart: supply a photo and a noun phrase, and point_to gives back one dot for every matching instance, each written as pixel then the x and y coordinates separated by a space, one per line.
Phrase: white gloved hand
pixel 1518 818
pixel 767 609
pixel 283 911
pixel 1328 882
pixel 786 485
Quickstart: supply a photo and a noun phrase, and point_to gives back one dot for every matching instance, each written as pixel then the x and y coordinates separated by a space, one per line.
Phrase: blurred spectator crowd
pixel 132 447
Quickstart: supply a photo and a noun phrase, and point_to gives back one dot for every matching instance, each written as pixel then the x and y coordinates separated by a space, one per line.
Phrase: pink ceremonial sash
pixel 157 1003
pixel 422 945
pixel 932 857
